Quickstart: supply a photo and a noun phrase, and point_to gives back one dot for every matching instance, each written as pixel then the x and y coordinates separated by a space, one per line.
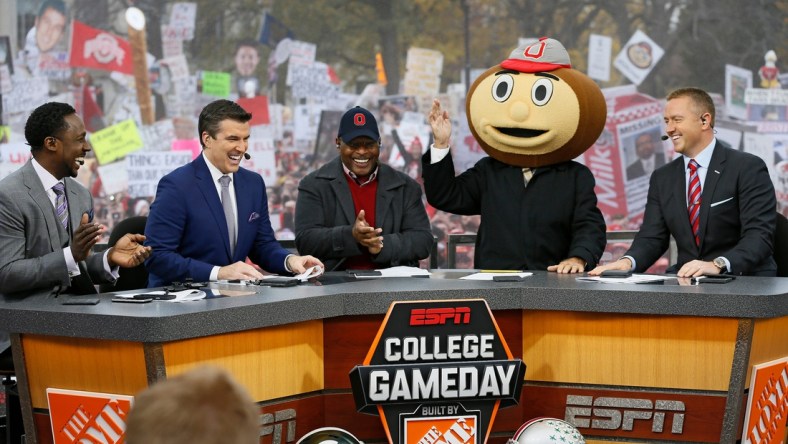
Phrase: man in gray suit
pixel 46 227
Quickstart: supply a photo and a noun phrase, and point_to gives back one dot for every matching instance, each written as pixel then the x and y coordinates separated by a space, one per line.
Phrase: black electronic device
pixel 508 278
pixel 616 274
pixel 131 300
pixel 81 301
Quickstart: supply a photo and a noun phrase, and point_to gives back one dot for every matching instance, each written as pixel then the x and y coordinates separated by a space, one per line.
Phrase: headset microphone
pixel 664 137
pixel 247 156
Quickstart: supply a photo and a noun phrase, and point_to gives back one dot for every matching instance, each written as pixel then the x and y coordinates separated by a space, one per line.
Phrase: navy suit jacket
pixel 188 232
pixel 737 215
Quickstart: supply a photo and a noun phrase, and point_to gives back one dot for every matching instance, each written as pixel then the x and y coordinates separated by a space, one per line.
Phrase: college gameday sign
pixel 438 371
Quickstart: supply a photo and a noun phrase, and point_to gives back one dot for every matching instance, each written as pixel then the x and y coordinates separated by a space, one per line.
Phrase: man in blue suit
pixel 210 215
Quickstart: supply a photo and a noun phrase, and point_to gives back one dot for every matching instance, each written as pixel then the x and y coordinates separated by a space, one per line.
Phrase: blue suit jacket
pixel 188 232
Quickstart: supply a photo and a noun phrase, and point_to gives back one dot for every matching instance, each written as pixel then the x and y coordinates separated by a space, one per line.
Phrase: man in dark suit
pixel 650 156
pixel 46 226
pixel 357 213
pixel 723 221
pixel 200 207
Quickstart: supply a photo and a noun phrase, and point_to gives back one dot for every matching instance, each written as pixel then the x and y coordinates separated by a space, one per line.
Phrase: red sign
pixel 87 417
pixel 99 49
pixel 767 406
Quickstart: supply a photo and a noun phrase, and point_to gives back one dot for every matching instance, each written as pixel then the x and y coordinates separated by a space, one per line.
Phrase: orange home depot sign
pixel 767 405
pixel 86 417
pixel 438 371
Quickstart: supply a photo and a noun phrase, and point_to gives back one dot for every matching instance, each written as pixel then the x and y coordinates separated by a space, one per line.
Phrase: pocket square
pixel 254 216
pixel 714 204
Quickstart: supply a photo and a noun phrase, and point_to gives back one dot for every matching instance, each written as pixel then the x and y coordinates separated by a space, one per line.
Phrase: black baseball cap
pixel 357 122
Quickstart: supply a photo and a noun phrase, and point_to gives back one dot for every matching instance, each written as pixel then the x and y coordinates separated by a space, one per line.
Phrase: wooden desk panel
pixel 629 350
pixel 272 362
pixel 82 364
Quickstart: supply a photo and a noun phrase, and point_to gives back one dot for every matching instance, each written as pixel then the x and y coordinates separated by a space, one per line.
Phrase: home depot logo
pixel 87 417
pixel 458 430
pixel 767 406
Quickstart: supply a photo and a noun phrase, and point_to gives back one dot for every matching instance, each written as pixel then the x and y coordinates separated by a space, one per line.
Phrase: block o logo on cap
pixel 360 119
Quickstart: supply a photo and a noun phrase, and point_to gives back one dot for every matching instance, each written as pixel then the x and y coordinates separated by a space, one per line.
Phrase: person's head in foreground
pixel 204 405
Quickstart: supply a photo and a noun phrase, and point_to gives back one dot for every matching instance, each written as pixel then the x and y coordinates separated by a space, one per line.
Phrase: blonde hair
pixel 201 406
pixel 701 100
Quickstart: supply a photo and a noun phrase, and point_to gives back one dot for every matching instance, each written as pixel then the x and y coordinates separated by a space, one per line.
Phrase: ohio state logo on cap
pixel 544 54
pixel 360 119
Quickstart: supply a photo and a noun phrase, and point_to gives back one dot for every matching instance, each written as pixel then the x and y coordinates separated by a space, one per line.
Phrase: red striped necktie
pixel 693 200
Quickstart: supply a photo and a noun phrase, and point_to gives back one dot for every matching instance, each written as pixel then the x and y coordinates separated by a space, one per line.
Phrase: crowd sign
pixel 437 372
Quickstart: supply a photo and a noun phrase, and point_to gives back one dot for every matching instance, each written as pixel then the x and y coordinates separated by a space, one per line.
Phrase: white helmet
pixel 329 435
pixel 547 431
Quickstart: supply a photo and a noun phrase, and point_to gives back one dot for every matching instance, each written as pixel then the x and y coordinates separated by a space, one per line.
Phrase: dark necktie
pixel 229 215
pixel 61 204
pixel 693 200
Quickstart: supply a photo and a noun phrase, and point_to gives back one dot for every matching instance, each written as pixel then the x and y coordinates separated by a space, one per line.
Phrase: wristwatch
pixel 720 263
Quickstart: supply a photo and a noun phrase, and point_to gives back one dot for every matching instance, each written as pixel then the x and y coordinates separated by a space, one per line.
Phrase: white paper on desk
pixel 490 276
pixel 400 271
pixel 310 272
pixel 190 294
pixel 634 279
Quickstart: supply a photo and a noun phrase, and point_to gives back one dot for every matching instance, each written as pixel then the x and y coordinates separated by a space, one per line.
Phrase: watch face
pixel 720 263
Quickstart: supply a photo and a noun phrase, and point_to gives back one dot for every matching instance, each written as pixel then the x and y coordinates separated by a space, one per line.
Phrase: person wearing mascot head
pixel 531 114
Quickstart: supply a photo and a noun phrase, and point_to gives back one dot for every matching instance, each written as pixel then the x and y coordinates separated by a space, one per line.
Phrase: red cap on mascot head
pixel 538 56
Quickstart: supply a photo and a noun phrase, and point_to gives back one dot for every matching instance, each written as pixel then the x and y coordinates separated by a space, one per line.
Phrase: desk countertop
pixel 339 295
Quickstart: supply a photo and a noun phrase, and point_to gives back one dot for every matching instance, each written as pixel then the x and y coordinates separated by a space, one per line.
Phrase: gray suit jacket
pixel 32 240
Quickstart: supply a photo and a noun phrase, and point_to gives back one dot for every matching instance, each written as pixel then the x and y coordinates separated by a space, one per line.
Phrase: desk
pixel 293 347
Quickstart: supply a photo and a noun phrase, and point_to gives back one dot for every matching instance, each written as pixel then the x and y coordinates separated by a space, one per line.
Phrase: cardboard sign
pixel 116 141
pixel 216 84
pixel 638 57
pixel 145 169
pixel 599 52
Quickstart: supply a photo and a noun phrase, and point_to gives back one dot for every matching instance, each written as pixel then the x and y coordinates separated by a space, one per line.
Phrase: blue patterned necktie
pixel 61 204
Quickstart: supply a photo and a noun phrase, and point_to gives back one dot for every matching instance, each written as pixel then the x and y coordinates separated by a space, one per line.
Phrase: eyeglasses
pixel 358 144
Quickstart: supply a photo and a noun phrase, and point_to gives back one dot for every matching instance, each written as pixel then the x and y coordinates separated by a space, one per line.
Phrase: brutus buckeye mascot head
pixel 533 109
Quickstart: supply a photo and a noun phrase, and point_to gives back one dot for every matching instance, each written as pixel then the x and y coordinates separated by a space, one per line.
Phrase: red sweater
pixel 363 199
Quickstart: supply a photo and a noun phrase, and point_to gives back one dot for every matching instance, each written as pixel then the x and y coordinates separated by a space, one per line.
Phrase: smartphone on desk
pixel 716 279
pixel 81 301
pixel 133 300
pixel 508 278
pixel 615 274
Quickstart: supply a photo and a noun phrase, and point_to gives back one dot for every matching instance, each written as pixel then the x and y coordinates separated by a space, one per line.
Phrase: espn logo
pixel 440 316
pixel 280 425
